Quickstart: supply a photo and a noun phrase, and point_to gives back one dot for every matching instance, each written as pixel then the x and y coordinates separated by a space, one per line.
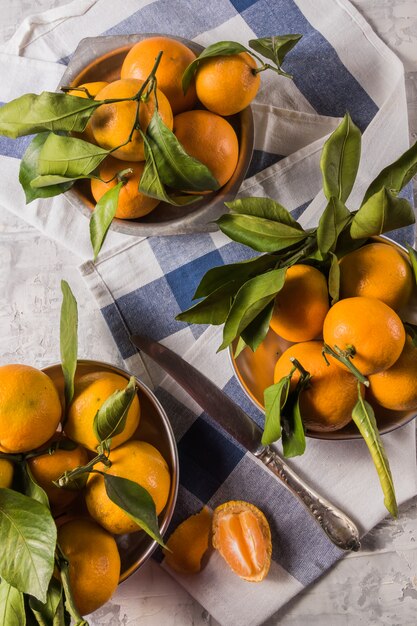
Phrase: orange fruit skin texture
pixel 132 204
pixel 396 387
pixel 112 123
pixel 371 326
pixel 210 139
pixel 140 462
pixel 175 59
pixel 49 467
pixel 242 536
pixel 90 391
pixel 301 305
pixel 6 473
pixel 227 84
pixel 326 404
pixel 189 542
pixel 94 563
pixel 377 270
pixel 93 89
pixel 30 409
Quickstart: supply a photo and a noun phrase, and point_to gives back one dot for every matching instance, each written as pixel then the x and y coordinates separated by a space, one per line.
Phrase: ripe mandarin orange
pixel 301 305
pixel 326 403
pixel 242 536
pixel 396 387
pixel 94 563
pixel 6 473
pixel 132 203
pixel 112 123
pixel 227 84
pixel 210 139
pixel 371 327
pixel 175 59
pixel 30 409
pixel 90 391
pixel 377 270
pixel 143 464
pixel 93 89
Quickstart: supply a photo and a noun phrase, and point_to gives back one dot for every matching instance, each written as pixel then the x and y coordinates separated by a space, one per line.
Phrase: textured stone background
pixel 376 586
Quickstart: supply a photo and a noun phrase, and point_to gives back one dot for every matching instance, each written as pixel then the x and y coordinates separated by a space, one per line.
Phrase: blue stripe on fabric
pixel 261 160
pixel 316 74
pixel 189 247
pixel 189 19
pixel 15 148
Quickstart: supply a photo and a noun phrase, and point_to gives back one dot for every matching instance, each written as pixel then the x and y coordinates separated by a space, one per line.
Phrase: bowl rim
pixel 198 217
pixel 173 448
pixel 341 434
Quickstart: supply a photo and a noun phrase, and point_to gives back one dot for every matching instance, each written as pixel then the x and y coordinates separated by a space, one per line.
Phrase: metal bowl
pixel 100 58
pixel 255 372
pixel 155 428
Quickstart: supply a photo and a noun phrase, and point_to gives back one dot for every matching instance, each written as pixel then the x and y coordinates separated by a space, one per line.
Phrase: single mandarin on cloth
pixel 301 305
pixel 377 270
pixel 132 203
pixel 189 542
pixel 112 123
pixel 50 466
pixel 6 473
pixel 94 563
pixel 30 409
pixel 90 391
pixel 210 139
pixel 326 403
pixel 396 387
pixel 369 327
pixel 174 61
pixel 93 89
pixel 242 536
pixel 227 84
pixel 143 464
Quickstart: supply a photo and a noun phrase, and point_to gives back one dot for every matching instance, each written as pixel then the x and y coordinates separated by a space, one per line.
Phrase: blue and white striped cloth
pixel 141 284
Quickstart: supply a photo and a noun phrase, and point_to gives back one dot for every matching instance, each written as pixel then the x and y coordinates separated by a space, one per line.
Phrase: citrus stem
pixel 69 600
pixel 344 356
pixel 292 257
pixel 63 480
pixel 82 89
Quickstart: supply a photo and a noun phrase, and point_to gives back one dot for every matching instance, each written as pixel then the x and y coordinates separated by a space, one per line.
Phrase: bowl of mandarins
pixel 184 200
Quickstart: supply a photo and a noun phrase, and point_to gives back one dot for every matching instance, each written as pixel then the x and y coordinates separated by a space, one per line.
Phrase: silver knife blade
pixel 216 403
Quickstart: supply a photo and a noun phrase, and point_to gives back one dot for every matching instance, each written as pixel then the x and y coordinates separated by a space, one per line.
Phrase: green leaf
pixel 214 309
pixel 241 345
pixel 250 300
pixel 411 330
pixel 238 272
pixel 51 180
pixel 256 331
pixel 110 419
pixel 364 418
pixel 102 217
pixel 340 160
pixel 176 168
pixel 32 489
pixel 413 258
pixel 293 436
pixel 29 171
pixel 381 213
pixel 49 613
pixel 136 502
pixel 334 278
pixel 69 157
pixel 220 48
pixel 34 113
pixel 259 233
pixel 152 185
pixel 27 539
pixel 68 339
pixel 263 207
pixel 332 221
pixel 275 398
pixel 396 175
pixel 275 48
pixel 12 608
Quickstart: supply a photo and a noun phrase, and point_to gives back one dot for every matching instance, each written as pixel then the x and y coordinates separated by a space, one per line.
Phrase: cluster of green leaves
pixel 29 594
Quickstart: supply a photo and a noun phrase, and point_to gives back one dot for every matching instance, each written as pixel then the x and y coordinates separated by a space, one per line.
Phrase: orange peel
pixel 189 542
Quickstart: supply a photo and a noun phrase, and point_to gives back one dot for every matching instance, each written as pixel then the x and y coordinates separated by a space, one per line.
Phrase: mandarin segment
pixel 30 409
pixel 189 542
pixel 301 305
pixel 90 392
pixel 242 536
pixel 370 327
